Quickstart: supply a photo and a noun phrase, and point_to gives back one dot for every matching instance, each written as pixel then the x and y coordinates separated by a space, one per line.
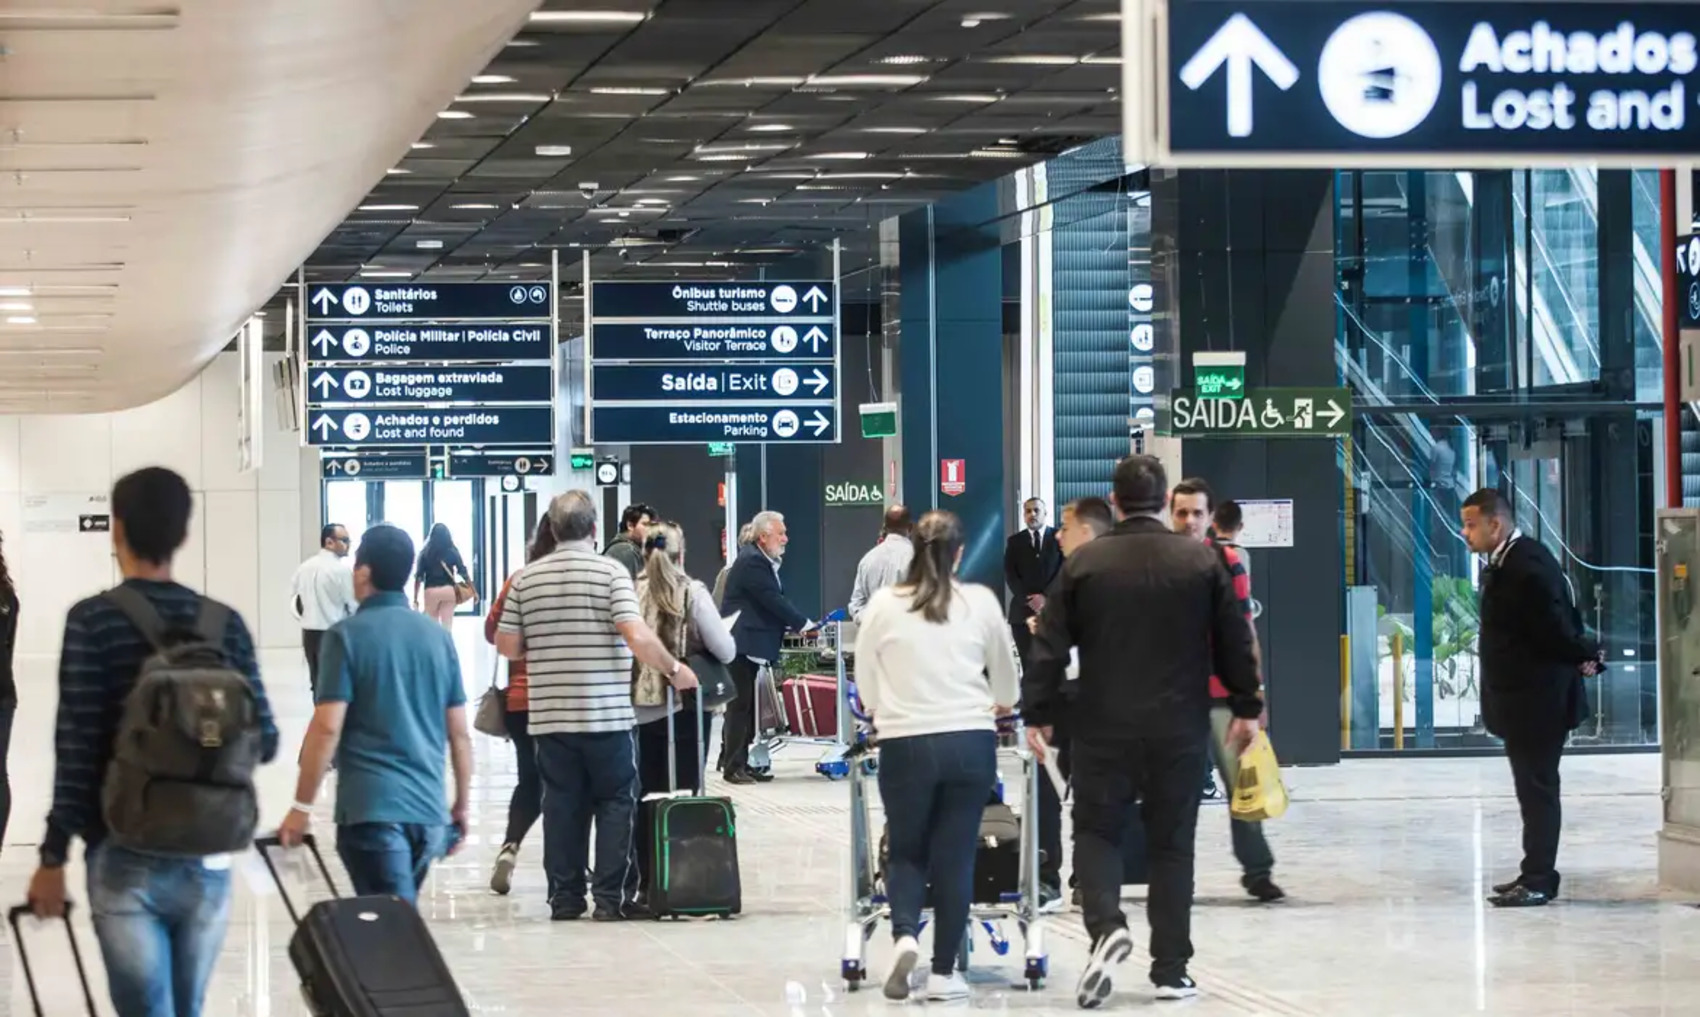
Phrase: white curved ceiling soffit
pixel 164 167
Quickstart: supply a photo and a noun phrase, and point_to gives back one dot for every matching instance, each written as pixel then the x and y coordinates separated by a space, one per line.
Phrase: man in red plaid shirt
pixel 1190 507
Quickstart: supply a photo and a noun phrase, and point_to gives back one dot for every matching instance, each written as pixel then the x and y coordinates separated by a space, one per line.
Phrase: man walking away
pixel 1534 655
pixel 1153 615
pixel 160 918
pixel 888 563
pixel 627 548
pixel 391 705
pixel 323 594
pixel 573 617
pixel 1190 514
pixel 753 588
pixel 1031 559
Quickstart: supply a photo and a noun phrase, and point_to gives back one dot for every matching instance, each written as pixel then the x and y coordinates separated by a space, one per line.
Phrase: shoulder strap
pixel 136 607
pixel 685 626
pixel 213 622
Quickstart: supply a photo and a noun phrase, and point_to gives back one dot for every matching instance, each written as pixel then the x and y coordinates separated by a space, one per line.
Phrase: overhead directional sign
pixel 535 463
pixel 458 425
pixel 338 465
pixel 692 362
pixel 427 341
pixel 430 302
pixel 1423 83
pixel 1263 413
pixel 405 385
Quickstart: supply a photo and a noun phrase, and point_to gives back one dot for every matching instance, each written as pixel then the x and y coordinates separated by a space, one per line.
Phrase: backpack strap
pixel 214 620
pixel 135 606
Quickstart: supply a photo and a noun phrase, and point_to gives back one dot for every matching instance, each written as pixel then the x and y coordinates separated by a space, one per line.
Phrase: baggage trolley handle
pixel 15 917
pixel 264 845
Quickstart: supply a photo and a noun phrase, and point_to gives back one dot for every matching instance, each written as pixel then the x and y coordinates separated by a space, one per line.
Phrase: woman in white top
pixel 681 611
pixel 924 650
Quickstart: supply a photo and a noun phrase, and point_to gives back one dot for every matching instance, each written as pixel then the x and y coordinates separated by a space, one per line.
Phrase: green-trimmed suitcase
pixel 692 840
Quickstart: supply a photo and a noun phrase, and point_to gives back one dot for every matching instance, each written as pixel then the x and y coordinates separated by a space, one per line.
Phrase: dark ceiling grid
pixel 659 115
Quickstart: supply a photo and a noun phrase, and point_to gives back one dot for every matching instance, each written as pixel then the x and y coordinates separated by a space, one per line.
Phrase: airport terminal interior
pixel 433 265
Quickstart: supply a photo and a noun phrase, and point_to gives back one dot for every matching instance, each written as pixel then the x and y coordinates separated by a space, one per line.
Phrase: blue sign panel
pixel 1688 281
pixel 428 342
pixel 381 385
pixel 338 465
pixel 713 383
pixel 697 341
pixel 460 425
pixel 745 301
pixel 1338 83
pixel 536 463
pixel 672 425
pixel 354 302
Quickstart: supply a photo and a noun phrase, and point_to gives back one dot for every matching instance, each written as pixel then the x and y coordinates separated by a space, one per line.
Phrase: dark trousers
pixel 1023 641
pixel 1251 847
pixel 527 801
pixel 389 859
pixel 740 727
pixel 586 778
pixel 1162 773
pixel 652 753
pixel 311 640
pixel 935 789
pixel 1050 815
pixel 1534 772
pixel 7 712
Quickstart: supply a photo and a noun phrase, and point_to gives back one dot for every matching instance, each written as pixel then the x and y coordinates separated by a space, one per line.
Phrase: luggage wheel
pixel 1037 969
pixel 854 974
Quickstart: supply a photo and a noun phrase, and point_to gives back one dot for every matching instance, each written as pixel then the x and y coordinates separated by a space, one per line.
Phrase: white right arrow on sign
pixel 819 423
pixel 1239 44
pixel 819 381
pixel 1335 414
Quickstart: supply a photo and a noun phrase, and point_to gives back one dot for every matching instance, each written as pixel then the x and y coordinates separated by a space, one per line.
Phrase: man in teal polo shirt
pixel 391 704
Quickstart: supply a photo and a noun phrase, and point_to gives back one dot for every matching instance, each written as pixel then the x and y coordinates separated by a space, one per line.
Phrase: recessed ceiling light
pixel 423 144
pixel 554 151
pixel 389 208
pixel 527 97
pixel 975 97
pixel 896 130
pixel 997 153
pixel 628 90
pixel 680 179
pixel 21 319
pixel 428 245
pixel 454 114
pixel 523 43
pixel 866 80
pixel 16 305
pixel 755 201
pixel 588 17
pixel 1036 59
pixel 1106 16
pixel 474 205
pixel 843 156
pixel 1102 60
pixel 493 79
pixel 14 291
pixel 758 82
pixel 653 201
pixel 744 149
pixel 381 273
pixel 769 128
pixel 976 20
pixel 908 60
pixel 397 171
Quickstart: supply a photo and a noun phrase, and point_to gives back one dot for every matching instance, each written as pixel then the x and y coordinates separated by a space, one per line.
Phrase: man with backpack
pixel 162 723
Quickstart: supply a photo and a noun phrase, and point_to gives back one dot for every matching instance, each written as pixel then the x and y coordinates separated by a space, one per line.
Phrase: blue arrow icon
pixel 324 425
pixel 815 338
pixel 325 300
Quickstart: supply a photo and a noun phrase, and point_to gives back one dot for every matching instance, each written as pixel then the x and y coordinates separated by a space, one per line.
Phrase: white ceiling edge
pixel 160 178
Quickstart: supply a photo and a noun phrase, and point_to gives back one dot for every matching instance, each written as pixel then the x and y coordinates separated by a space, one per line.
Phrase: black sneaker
pixel 1175 987
pixel 762 776
pixel 740 777
pixel 1505 888
pixel 632 912
pixel 1519 896
pixel 1096 982
pixel 566 914
pixel 1264 889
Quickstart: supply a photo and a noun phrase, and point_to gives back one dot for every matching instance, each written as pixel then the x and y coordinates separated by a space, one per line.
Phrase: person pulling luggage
pixel 924 649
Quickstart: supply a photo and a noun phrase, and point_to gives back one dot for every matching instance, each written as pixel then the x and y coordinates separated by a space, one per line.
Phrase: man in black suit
pixel 1534 654
pixel 1031 560
pixel 766 614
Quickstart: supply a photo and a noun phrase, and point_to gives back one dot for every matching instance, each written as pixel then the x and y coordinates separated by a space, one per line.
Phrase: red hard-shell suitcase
pixel 366 956
pixel 811 705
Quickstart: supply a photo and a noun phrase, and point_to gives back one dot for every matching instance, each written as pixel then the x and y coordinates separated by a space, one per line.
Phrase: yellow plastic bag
pixel 1259 793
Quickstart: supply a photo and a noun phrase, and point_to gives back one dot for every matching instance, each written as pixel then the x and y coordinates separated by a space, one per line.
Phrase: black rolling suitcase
pixel 14 917
pixel 692 842
pixel 365 956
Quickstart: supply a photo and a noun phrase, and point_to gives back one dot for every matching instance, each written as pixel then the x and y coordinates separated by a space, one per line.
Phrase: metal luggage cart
pixel 772 733
pixel 867 901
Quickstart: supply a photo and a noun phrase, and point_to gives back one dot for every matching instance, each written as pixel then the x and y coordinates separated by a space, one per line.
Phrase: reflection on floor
pixel 1386 862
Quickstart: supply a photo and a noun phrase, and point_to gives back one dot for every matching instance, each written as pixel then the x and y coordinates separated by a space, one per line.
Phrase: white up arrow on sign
pixel 815 297
pixel 325 342
pixel 324 425
pixel 324 383
pixel 815 338
pixel 324 300
pixel 1239 44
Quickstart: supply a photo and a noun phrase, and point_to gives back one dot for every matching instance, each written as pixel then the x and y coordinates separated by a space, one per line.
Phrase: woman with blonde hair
pixel 924 649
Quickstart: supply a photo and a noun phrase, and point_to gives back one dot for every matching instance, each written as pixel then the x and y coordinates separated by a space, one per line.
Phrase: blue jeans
pixel 935 788
pixel 589 777
pixel 160 922
pixel 389 859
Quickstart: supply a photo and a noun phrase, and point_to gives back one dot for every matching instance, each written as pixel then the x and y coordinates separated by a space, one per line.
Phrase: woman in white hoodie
pixel 924 649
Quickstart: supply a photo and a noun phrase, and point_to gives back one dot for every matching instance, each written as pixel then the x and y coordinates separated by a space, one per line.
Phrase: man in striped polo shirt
pixel 1190 508
pixel 573 617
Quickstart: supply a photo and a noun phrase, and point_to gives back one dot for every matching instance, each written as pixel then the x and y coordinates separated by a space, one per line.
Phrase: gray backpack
pixel 181 780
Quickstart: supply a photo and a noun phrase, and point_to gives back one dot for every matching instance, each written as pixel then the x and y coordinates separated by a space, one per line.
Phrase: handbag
pixel 491 717
pixel 465 592
pixel 1259 793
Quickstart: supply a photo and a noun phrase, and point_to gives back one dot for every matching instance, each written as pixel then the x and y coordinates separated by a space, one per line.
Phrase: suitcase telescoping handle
pixel 15 917
pixel 673 745
pixel 265 845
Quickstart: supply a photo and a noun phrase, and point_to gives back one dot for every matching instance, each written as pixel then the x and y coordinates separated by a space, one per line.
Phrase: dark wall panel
pixel 682 483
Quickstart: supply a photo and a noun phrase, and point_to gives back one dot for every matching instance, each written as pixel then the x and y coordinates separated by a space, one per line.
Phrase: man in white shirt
pixel 888 563
pixel 322 594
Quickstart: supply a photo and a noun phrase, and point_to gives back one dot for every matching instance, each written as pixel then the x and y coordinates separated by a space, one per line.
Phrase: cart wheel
pixel 1035 984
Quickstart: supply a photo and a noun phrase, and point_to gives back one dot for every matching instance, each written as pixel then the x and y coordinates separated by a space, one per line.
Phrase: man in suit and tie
pixel 765 614
pixel 1534 655
pixel 1031 560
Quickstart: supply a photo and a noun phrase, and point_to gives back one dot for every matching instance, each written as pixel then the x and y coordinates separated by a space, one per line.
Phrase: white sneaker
pixel 946 988
pixel 902 963
pixel 1096 983
pixel 502 878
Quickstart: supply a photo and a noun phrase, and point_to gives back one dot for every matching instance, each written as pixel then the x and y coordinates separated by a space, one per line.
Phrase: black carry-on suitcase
pixel 15 917
pixel 692 842
pixel 365 956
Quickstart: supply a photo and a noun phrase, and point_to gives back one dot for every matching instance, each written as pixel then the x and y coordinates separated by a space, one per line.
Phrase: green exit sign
pixel 1218 375
pixel 879 420
pixel 582 460
pixel 721 449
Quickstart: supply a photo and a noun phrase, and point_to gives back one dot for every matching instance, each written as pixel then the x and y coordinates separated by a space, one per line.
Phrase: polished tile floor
pixel 1386 862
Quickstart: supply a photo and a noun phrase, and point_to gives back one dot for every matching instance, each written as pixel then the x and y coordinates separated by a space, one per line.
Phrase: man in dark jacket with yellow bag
pixel 1534 655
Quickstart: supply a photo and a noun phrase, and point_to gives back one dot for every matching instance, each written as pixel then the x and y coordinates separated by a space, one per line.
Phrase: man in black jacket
pixel 1534 654
pixel 766 614
pixel 1031 559
pixel 1153 615
pixel 627 548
